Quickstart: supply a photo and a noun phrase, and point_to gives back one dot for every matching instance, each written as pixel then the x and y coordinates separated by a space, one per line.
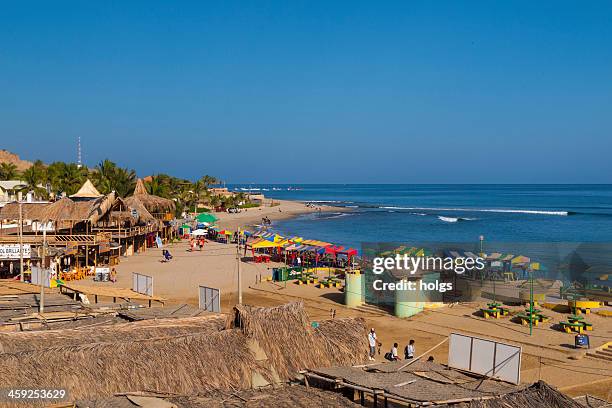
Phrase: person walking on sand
pixel 409 350
pixel 372 340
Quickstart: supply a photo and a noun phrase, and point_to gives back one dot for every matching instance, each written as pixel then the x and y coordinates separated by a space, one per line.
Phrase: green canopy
pixel 185 226
pixel 206 217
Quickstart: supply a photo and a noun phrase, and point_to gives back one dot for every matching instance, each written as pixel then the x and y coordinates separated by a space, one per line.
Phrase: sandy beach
pixel 283 209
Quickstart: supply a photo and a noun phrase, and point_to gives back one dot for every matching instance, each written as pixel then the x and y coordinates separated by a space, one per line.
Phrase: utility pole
pixel 41 308
pixel 530 300
pixel 239 274
pixel 21 240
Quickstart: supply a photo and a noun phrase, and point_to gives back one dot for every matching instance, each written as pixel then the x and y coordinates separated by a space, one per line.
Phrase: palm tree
pixel 33 177
pixel 66 177
pixel 8 171
pixel 208 180
pixel 158 186
pixel 108 177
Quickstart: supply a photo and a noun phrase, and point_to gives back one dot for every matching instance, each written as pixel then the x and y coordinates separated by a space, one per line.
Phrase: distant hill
pixel 8 157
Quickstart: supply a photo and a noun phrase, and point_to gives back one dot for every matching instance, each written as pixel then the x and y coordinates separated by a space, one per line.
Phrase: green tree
pixel 66 177
pixel 107 177
pixel 8 171
pixel 34 177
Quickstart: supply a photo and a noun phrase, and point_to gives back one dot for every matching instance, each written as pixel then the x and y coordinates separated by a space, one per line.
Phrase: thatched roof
pixel 538 395
pixel 116 361
pixel 290 396
pixel 30 211
pixel 67 210
pixel 152 203
pixel 122 212
pixel 14 342
pixel 293 345
pixel 140 188
pixel 87 190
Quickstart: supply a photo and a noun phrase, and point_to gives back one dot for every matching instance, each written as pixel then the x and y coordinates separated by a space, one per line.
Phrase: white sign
pixel 11 251
pixel 142 284
pixel 486 357
pixel 41 276
pixel 210 299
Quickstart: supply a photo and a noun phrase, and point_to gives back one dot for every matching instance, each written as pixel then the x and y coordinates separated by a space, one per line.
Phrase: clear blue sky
pixel 329 91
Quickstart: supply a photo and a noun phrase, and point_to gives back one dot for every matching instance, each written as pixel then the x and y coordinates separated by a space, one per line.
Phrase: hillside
pixel 6 156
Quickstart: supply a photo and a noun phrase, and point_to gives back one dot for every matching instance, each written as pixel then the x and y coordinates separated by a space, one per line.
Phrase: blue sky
pixel 292 91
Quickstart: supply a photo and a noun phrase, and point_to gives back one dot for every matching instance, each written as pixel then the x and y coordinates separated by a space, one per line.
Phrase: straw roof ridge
pixel 152 202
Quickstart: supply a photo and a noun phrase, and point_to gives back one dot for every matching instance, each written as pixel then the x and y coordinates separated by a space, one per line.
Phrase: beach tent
pixel 520 260
pixel 185 229
pixel 206 217
pixel 264 244
pixel 315 242
pixel 198 232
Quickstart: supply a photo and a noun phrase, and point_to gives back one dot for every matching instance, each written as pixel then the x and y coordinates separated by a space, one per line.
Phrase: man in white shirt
pixel 394 356
pixel 372 341
pixel 409 350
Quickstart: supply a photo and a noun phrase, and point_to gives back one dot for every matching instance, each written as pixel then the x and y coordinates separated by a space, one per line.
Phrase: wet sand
pixel 283 209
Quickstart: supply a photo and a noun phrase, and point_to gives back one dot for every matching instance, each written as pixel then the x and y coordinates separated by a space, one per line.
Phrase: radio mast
pixel 79 162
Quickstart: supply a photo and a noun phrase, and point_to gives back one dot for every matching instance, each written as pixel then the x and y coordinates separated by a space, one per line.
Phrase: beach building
pixel 82 231
pixel 13 190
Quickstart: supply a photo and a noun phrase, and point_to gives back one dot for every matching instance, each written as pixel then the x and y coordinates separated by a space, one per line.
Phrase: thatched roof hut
pixel 121 212
pixel 267 343
pixel 30 211
pixel 152 203
pixel 66 210
pixel 291 344
pixel 87 190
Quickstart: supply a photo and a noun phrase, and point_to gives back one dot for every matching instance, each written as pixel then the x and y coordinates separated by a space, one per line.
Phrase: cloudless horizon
pixel 312 91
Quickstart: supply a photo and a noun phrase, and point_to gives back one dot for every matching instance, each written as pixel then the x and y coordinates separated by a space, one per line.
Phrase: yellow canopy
pixel 264 244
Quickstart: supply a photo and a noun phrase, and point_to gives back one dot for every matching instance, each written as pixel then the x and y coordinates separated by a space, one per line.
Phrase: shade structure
pixel 198 232
pixel 206 217
pixel 87 190
pixel 520 260
pixel 315 242
pixel 225 232
pixel 264 243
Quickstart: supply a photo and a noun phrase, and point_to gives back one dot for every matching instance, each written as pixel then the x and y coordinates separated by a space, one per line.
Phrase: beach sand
pixel 284 210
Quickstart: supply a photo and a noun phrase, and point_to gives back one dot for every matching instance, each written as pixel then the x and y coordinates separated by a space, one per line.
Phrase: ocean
pixel 448 213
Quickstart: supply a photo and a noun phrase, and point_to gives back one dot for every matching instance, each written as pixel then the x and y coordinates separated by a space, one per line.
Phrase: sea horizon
pixel 448 212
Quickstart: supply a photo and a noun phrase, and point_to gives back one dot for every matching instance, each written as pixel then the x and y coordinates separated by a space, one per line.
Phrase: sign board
pixel 486 357
pixel 210 299
pixel 11 251
pixel 134 213
pixel 142 284
pixel 41 275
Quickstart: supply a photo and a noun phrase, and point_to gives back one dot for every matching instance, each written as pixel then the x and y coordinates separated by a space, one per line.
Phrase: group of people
pixel 393 354
pixel 196 242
